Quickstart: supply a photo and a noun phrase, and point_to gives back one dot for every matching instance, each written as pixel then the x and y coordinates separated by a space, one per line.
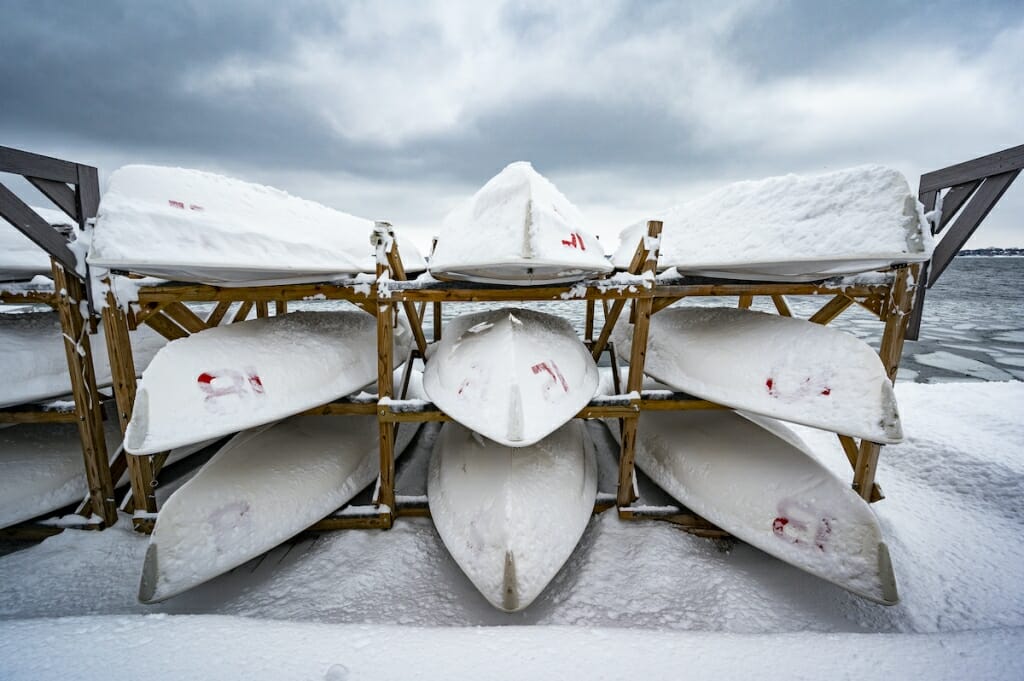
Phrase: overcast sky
pixel 394 110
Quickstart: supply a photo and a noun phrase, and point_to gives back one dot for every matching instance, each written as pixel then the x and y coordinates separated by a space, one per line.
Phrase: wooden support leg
pixel 745 302
pixel 782 306
pixel 437 320
pixel 262 309
pixel 122 369
pixel 642 307
pixel 385 388
pixel 588 331
pixel 78 352
pixel 280 307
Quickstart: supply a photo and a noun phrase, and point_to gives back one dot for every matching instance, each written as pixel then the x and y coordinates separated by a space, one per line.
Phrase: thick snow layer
pixel 511 374
pixel 511 517
pixel 640 594
pixel 191 225
pixel 229 378
pixel 782 367
pixel 792 227
pixel 518 227
pixel 160 648
pixel 34 365
pixel 20 258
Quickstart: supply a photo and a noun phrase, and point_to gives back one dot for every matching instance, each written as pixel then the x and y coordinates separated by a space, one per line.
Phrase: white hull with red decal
pixel 239 376
pixel 754 477
pixel 511 375
pixel 786 368
pixel 518 229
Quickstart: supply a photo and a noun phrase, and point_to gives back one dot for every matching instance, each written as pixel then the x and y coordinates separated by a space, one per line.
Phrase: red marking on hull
pixel 575 242
pixel 553 372
pixel 176 204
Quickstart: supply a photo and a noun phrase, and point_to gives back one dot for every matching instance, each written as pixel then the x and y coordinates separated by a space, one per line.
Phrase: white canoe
pixel 189 225
pixel 793 228
pixel 34 365
pixel 518 229
pixel 512 375
pixel 20 258
pixel 755 478
pixel 786 368
pixel 239 376
pixel 41 468
pixel 511 517
pixel 263 487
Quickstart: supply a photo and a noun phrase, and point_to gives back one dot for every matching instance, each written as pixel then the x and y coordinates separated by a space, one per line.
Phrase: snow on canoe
pixel 34 365
pixel 793 228
pixel 263 487
pixel 189 225
pixel 518 229
pixel 511 516
pixel 239 376
pixel 755 478
pixel 20 258
pixel 786 368
pixel 512 375
pixel 41 468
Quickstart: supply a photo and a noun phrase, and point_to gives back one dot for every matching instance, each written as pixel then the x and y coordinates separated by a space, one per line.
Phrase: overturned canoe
pixel 793 228
pixel 518 229
pixel 512 375
pixel 755 478
pixel 263 487
pixel 190 225
pixel 239 376
pixel 786 368
pixel 511 517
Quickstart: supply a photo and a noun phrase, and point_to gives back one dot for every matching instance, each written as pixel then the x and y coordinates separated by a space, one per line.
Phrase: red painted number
pixel 223 382
pixel 575 242
pixel 551 369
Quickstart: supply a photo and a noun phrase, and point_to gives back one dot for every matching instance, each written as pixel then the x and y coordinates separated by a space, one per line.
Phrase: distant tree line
pixel 992 251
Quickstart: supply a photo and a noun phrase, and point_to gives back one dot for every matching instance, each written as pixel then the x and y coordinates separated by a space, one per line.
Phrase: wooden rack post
pixel 385 380
pixel 71 302
pixel 626 494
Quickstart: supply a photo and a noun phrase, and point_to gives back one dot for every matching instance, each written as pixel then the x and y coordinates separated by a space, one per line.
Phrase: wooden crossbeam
pixel 29 223
pixel 782 305
pixel 745 301
pixel 611 314
pixel 184 317
pixel 242 313
pixel 218 313
pixel 831 309
pixel 398 273
pixel 163 325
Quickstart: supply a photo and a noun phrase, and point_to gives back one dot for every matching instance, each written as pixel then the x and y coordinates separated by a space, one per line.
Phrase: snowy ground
pixel 635 599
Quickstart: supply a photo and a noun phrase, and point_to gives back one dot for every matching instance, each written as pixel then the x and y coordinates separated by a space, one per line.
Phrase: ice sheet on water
pixel 962 365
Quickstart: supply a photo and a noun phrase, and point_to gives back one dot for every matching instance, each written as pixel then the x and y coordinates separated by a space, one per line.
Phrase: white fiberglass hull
pixel 519 272
pixel 511 517
pixel 34 365
pixel 754 478
pixel 512 375
pixel 41 468
pixel 789 369
pixel 264 486
pixel 239 376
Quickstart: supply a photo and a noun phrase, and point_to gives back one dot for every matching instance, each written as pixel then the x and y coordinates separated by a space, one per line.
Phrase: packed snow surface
pixel 518 227
pixel 511 516
pixel 228 378
pixel 636 599
pixel 191 225
pixel 792 227
pixel 34 365
pixel 513 375
pixel 782 367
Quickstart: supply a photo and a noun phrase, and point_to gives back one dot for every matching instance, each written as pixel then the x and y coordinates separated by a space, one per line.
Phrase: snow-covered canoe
pixel 512 375
pixel 41 468
pixel 755 478
pixel 20 258
pixel 793 228
pixel 239 376
pixel 189 225
pixel 786 368
pixel 263 487
pixel 511 517
pixel 518 229
pixel 33 362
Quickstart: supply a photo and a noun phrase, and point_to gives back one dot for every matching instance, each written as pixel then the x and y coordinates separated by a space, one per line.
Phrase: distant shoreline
pixel 992 252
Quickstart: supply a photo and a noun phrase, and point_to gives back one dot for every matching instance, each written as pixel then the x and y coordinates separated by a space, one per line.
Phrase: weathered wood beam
pixel 78 351
pixel 41 416
pixel 25 163
pixel 165 327
pixel 745 301
pixel 218 313
pixel 611 314
pixel 61 194
pixel 978 168
pixel 398 273
pixel 184 317
pixel 952 202
pixel 242 313
pixel 782 305
pixel 38 230
pixel 831 309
